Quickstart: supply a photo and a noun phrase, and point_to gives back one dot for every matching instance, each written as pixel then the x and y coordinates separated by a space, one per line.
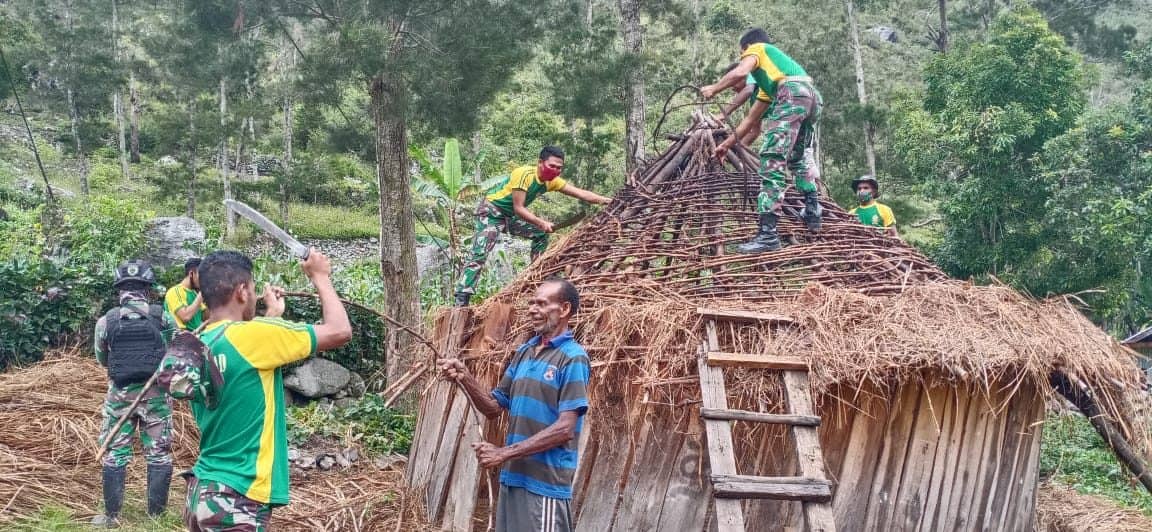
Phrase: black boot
pixel 159 481
pixel 462 299
pixel 812 211
pixel 112 479
pixel 766 238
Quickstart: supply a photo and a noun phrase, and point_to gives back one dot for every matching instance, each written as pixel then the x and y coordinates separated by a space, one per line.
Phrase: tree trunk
pixel 191 212
pixel 397 232
pixel 869 131
pixel 286 168
pixel 134 120
pixel 117 99
pixel 74 114
pixel 942 40
pixel 634 83
pixel 229 214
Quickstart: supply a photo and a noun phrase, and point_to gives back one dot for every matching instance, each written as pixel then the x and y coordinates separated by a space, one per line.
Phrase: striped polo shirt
pixel 536 387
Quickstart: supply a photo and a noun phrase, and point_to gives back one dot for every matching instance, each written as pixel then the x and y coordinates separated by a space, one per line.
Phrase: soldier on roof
pixel 792 103
pixel 505 210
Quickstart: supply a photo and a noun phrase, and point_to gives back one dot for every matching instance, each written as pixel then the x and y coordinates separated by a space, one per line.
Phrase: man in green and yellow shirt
pixel 793 104
pixel 872 212
pixel 183 300
pixel 242 470
pixel 505 210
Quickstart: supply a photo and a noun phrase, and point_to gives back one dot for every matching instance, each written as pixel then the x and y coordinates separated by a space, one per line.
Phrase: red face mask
pixel 547 173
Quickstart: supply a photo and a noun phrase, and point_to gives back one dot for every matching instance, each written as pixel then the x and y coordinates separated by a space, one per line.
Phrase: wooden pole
pixel 1075 391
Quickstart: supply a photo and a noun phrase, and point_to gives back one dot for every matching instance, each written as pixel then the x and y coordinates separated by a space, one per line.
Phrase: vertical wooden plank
pixel 648 480
pixel 912 497
pixel 886 481
pixel 863 444
pixel 772 453
pixel 436 405
pixel 1025 510
pixel 729 515
pixel 606 478
pixel 967 447
pixel 1013 466
pixel 466 480
pixel 987 451
pixel 946 457
pixel 687 498
pixel 807 441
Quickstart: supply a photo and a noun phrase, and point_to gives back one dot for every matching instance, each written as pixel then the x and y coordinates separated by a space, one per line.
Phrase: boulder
pixel 317 377
pixel 885 34
pixel 169 239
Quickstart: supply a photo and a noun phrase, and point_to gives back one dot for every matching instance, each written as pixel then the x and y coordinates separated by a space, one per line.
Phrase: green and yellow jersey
pixel 179 297
pixel 523 178
pixel 875 214
pixel 772 65
pixel 243 441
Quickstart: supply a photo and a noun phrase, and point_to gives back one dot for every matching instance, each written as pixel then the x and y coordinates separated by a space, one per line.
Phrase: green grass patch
pixel 329 222
pixel 380 430
pixel 133 518
pixel 1072 453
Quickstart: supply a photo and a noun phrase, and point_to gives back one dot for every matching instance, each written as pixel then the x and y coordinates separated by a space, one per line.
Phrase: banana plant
pixel 453 192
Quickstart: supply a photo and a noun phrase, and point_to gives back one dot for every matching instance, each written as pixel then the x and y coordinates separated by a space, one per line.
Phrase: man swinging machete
pixel 242 471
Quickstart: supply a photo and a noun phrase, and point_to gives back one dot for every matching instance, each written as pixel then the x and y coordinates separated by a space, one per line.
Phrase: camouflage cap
pixel 189 370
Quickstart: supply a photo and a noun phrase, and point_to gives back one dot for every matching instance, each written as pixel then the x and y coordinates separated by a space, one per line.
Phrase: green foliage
pixel 134 518
pixel 987 111
pixel 359 282
pixel 53 287
pixel 367 422
pixel 1072 453
pixel 307 220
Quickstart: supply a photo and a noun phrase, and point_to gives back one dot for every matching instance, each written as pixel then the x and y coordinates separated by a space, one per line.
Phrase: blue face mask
pixel 864 195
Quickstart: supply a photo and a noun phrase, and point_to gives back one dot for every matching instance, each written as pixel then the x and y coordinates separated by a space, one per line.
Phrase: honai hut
pixel 843 382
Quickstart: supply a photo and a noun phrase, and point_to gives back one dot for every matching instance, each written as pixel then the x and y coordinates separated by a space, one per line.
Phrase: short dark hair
pixel 220 273
pixel 191 264
pixel 568 292
pixel 135 286
pixel 551 151
pixel 754 36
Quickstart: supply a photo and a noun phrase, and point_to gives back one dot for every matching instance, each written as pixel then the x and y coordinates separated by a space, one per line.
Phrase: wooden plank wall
pixel 927 456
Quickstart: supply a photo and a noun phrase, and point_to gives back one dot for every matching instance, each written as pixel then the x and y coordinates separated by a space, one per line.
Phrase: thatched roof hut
pixel 930 392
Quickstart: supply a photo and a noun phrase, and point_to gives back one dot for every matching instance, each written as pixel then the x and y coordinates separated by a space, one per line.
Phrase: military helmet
pixel 134 270
pixel 870 180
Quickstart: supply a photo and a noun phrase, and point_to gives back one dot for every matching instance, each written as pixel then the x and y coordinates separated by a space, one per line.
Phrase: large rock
pixel 317 378
pixel 170 239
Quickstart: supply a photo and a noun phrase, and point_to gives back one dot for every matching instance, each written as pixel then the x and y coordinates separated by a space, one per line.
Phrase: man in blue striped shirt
pixel 544 391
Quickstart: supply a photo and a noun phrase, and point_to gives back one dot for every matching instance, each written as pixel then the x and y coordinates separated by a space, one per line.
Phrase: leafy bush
pixel 380 430
pixel 1072 453
pixel 56 282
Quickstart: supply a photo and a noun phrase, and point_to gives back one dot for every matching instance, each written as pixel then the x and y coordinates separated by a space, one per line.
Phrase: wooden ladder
pixel 729 487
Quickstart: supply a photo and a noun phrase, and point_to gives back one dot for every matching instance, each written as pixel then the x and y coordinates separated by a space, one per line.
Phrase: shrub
pixel 380 430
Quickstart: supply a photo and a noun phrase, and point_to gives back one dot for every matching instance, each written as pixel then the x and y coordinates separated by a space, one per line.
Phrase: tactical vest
pixel 135 344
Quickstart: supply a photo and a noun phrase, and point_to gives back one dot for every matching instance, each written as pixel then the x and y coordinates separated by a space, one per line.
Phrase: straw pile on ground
pixel 1062 509
pixel 50 414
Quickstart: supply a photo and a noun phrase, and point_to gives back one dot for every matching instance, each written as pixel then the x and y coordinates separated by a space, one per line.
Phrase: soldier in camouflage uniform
pixel 505 209
pixel 132 328
pixel 793 107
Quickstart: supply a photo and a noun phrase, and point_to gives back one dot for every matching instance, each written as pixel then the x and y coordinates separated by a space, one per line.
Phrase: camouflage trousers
pixel 213 507
pixel 152 419
pixel 490 222
pixel 790 130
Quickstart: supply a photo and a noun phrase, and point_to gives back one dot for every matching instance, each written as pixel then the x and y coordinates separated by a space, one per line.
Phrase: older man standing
pixel 543 390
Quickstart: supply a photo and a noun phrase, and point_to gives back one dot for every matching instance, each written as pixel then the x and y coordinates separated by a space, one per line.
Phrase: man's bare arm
pixel 739 99
pixel 584 195
pixel 518 207
pixel 454 369
pixel 732 78
pixel 187 312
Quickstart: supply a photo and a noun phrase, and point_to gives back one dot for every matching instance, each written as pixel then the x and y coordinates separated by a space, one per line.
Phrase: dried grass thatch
pixel 866 309
pixel 50 414
pixel 1062 509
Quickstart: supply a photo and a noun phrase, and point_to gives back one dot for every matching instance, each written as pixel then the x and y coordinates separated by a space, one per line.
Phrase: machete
pixel 294 246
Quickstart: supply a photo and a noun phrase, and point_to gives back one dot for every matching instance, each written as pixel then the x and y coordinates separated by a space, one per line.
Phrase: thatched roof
pixel 866 308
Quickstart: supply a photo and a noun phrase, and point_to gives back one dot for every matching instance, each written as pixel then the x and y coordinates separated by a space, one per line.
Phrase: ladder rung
pixel 742 315
pixel 745 360
pixel 780 488
pixel 759 417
